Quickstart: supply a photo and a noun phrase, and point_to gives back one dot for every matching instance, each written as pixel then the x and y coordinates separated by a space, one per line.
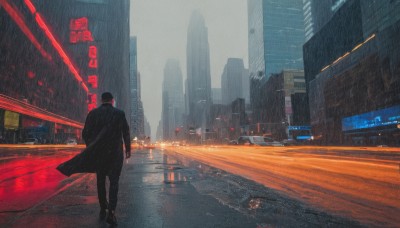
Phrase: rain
pixel 199 113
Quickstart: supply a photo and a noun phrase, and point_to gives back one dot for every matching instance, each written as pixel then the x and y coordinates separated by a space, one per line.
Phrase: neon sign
pixel 93 80
pixel 92 57
pixel 79 31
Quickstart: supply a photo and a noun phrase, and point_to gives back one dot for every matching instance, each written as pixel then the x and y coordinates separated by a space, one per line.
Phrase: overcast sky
pixel 161 30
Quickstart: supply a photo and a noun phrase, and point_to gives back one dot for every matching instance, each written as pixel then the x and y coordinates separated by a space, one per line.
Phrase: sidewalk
pixel 154 192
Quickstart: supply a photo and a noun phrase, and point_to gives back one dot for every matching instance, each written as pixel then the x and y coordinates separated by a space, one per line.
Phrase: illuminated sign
pixel 378 118
pixel 92 56
pixel 93 81
pixel 92 101
pixel 79 31
pixel 11 120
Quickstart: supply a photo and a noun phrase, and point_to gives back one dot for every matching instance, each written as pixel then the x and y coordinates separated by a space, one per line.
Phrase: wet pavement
pixel 162 189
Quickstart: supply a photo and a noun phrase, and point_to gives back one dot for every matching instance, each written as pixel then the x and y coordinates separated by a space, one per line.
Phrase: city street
pixel 158 188
pixel 359 183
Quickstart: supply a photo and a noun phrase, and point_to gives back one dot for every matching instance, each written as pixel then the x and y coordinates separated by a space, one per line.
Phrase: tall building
pixel 317 13
pixel 216 95
pixel 75 60
pixel 198 72
pixel 352 75
pixel 173 100
pixel 276 37
pixel 134 89
pixel 231 80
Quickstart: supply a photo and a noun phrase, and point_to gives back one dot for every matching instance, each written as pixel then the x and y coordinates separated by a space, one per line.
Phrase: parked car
pixel 271 142
pixel 72 142
pixel 251 140
pixel 31 141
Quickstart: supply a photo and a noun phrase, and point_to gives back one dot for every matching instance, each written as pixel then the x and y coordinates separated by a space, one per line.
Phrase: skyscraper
pixel 276 37
pixel 317 13
pixel 134 88
pixel 198 71
pixel 173 101
pixel 231 80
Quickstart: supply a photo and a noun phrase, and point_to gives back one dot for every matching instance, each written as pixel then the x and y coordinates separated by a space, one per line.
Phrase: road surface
pixel 360 183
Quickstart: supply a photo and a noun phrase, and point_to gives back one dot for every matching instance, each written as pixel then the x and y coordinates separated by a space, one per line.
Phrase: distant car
pixel 290 142
pixel 232 142
pixel 72 142
pixel 31 141
pixel 271 142
pixel 251 140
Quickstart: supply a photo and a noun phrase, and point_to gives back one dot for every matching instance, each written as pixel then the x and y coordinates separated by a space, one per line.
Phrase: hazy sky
pixel 161 30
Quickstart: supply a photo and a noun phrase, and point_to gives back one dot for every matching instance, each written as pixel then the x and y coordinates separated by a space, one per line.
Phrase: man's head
pixel 107 97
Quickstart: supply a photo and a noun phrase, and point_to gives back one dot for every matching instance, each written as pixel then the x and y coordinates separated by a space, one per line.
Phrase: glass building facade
pixel 276 37
pixel 354 76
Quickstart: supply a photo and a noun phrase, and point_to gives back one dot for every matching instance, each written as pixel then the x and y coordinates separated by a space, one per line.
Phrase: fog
pixel 161 30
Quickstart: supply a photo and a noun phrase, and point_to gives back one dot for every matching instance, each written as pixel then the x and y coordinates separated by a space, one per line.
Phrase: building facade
pixel 276 37
pixel 198 93
pixel 135 93
pixel 173 99
pixel 72 66
pixel 231 80
pixel 353 78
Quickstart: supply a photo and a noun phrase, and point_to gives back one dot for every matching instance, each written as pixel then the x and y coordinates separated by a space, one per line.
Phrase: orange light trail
pixel 18 19
pixel 15 105
pixel 42 24
pixel 360 183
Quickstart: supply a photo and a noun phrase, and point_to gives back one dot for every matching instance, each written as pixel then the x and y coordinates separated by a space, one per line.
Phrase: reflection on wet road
pixel 28 175
pixel 360 183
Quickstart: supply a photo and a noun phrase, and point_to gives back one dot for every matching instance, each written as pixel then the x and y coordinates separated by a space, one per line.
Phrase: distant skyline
pixel 161 30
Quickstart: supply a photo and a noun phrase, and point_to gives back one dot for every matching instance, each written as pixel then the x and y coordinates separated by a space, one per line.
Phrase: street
pixel 360 183
pixel 194 186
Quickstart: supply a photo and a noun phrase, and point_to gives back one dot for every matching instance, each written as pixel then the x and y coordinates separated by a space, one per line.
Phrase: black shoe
pixel 103 213
pixel 111 219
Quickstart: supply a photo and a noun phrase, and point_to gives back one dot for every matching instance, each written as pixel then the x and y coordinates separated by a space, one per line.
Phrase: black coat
pixel 105 131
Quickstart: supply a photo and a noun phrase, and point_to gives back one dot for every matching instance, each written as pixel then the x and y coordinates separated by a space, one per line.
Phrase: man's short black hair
pixel 106 97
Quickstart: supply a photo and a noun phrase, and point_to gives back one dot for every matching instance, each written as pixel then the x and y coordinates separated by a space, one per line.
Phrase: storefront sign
pixel 11 120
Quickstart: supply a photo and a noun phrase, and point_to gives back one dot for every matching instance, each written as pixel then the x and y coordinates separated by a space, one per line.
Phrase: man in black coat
pixel 106 126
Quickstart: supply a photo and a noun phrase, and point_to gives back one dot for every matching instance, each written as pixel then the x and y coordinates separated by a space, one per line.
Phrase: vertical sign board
pixel 11 120
pixel 288 105
pixel 80 33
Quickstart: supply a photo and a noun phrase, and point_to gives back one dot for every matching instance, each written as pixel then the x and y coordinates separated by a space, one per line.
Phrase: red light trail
pixel 15 105
pixel 18 18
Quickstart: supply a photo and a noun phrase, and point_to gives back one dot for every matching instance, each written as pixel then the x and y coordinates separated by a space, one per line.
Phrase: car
pixel 271 142
pixel 72 142
pixel 31 141
pixel 251 140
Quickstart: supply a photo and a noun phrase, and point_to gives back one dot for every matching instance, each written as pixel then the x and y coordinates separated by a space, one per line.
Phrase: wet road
pixel 358 183
pixel 28 175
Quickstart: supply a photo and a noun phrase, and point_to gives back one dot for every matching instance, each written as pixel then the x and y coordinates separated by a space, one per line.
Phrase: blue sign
pixel 299 128
pixel 378 118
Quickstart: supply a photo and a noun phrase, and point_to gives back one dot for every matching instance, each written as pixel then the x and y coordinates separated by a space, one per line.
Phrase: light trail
pixel 360 183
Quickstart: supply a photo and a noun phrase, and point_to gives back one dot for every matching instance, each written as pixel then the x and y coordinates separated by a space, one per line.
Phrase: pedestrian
pixel 104 130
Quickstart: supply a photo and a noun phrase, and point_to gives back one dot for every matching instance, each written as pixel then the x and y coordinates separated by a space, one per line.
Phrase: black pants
pixel 113 191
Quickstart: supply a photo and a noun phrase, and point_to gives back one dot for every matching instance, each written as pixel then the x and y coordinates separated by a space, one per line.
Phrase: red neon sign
pixel 80 36
pixel 93 81
pixel 79 24
pixel 92 101
pixel 93 52
pixel 79 30
pixel 92 57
